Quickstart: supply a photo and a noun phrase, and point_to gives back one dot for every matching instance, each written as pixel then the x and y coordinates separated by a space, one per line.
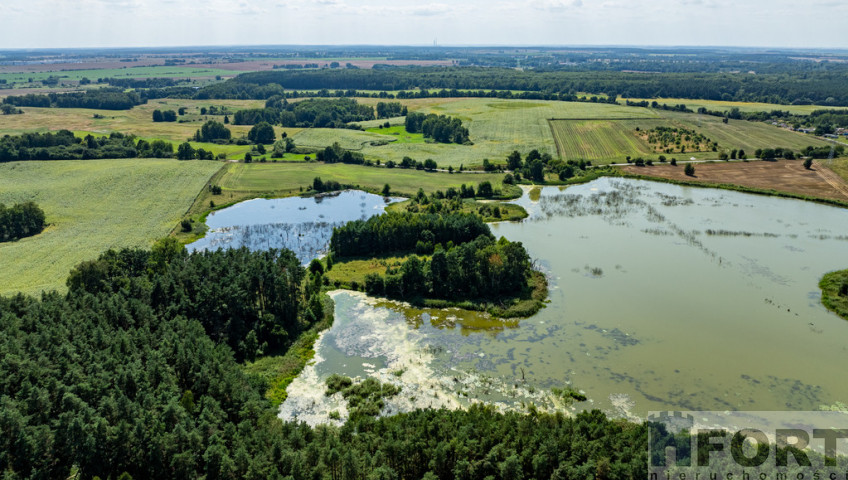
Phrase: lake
pixel 301 224
pixel 662 297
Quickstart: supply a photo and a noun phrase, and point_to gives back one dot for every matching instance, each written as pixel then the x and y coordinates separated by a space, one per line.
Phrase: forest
pixel 20 220
pixel 823 86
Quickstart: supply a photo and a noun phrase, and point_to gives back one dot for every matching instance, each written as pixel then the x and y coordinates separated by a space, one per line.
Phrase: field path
pixel 830 177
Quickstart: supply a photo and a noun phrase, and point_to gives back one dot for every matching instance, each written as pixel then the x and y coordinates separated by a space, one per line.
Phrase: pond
pixel 301 224
pixel 662 297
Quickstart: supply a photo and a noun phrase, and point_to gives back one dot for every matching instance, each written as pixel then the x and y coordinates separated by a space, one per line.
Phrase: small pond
pixel 301 224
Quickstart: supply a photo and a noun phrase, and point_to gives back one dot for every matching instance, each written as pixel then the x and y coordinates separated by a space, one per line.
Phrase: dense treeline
pixel 479 269
pixel 20 220
pixel 441 128
pixel 63 145
pixel 309 113
pixel 400 232
pixel 101 98
pixel 817 86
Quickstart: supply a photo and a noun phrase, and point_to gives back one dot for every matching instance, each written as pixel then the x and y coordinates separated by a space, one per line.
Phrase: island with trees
pixel 440 260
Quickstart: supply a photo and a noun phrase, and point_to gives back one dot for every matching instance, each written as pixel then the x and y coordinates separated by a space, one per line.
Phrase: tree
pixel 430 164
pixel 185 151
pixel 262 133
pixel 387 190
pixel 484 189
pixel 808 163
pixel 513 161
pixel 537 171
pixel 689 170
pixel 157 116
pixel 412 274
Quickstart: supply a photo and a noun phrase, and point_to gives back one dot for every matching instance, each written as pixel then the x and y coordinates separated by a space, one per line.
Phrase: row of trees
pixel 479 269
pixel 100 98
pixel 63 145
pixel 400 232
pixel 20 220
pixel 441 128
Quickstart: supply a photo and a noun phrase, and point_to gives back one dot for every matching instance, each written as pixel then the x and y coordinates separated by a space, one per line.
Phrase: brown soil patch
pixel 783 175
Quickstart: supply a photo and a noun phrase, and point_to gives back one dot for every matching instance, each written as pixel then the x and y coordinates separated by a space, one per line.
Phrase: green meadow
pixel 92 206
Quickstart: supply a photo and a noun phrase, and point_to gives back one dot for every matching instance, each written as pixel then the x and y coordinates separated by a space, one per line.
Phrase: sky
pixel 139 23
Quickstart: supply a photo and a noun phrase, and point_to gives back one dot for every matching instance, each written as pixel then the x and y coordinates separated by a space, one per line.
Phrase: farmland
pixel 783 175
pixel 92 206
pixel 134 72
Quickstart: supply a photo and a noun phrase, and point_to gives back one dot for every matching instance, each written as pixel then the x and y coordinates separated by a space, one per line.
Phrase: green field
pixel 610 141
pixel 287 178
pixel 399 133
pixel 92 206
pixel 496 126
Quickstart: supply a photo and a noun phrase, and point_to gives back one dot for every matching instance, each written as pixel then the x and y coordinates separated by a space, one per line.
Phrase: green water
pixel 662 297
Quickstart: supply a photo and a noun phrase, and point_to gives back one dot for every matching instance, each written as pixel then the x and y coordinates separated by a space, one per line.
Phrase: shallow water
pixel 662 297
pixel 303 225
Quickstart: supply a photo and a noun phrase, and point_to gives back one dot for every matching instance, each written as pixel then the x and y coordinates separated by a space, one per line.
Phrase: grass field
pixel 399 133
pixel 349 139
pixel 92 206
pixel 496 126
pixel 286 178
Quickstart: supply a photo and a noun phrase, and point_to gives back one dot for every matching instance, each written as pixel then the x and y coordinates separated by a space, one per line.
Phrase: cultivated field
pixel 721 106
pixel 601 140
pixel 783 175
pixel 610 141
pixel 91 206
pixel 287 178
pixel 133 72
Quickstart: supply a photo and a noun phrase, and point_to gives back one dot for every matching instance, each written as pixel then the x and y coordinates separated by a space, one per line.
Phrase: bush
pixel 689 170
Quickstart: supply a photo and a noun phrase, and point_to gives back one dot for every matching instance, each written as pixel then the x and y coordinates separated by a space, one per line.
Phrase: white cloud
pixel 49 23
